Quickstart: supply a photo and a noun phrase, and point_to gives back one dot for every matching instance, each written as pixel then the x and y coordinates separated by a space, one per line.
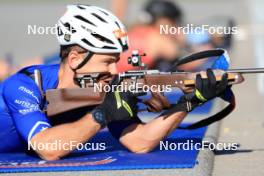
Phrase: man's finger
pixel 198 82
pixel 223 83
pixel 211 78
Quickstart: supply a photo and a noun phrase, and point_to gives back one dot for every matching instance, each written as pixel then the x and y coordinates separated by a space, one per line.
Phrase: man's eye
pixel 110 61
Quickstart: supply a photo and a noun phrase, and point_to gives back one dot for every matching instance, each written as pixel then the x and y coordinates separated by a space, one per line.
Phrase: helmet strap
pixel 86 59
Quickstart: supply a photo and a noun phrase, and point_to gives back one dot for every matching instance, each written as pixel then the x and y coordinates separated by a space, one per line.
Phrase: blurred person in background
pixel 163 50
pixel 5 69
pixel 145 36
pixel 196 42
pixel 223 40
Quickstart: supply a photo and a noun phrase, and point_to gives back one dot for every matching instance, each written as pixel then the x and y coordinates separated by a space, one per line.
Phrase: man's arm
pixel 154 131
pixel 66 135
pixel 142 138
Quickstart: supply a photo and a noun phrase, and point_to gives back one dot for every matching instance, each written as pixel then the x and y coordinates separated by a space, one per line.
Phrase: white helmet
pixel 93 28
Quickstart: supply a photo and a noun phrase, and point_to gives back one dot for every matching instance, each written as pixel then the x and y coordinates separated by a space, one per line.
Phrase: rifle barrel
pixel 246 70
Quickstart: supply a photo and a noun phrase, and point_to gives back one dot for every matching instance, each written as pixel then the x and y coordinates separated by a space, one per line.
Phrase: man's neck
pixel 66 76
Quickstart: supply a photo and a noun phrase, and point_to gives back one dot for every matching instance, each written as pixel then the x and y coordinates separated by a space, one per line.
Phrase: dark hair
pixel 66 49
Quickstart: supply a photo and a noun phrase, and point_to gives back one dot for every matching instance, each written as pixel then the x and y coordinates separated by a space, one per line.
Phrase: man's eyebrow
pixel 113 59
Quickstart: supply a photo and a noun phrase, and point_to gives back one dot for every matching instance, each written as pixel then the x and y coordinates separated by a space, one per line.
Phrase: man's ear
pixel 74 59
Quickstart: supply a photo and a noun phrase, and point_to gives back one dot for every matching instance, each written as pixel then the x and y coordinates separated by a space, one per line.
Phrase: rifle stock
pixel 63 100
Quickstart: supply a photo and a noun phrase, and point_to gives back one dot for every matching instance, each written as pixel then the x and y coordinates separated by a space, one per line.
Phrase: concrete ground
pixel 243 126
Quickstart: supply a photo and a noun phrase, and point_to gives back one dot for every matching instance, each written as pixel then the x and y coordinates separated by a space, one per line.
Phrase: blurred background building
pixel 21 47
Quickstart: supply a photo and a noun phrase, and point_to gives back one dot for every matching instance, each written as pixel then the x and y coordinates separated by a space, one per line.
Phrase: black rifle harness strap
pixel 228 97
pixel 36 76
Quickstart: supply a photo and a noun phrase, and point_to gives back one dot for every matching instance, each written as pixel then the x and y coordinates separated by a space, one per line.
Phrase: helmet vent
pixel 109 47
pixel 69 27
pixel 104 12
pixel 87 42
pixel 98 17
pixel 84 20
pixel 101 38
pixel 80 7
pixel 124 47
pixel 117 24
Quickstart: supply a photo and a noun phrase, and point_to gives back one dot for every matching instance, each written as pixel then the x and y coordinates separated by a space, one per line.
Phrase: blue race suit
pixel 21 105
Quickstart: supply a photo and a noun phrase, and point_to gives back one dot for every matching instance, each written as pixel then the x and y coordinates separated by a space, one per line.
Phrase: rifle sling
pixel 38 81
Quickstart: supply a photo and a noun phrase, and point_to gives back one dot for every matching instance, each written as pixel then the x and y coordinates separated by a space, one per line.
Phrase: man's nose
pixel 113 69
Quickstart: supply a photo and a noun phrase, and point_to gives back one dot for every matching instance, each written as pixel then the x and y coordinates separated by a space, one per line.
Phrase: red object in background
pixel 137 37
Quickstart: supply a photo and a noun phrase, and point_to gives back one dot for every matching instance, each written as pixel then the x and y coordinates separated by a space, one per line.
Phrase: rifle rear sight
pixel 136 60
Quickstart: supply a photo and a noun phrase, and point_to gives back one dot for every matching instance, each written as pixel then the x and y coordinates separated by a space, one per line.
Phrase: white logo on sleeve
pixel 27 107
pixel 39 126
pixel 29 92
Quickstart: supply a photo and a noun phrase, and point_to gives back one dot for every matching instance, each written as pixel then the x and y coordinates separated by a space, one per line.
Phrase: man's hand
pixel 116 106
pixel 205 90
pixel 157 102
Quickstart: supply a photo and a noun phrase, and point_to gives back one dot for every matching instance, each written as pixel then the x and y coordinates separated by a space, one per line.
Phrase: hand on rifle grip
pixel 208 88
pixel 205 90
pixel 157 102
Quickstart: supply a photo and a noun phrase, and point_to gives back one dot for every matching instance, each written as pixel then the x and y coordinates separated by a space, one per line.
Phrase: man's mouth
pixel 106 80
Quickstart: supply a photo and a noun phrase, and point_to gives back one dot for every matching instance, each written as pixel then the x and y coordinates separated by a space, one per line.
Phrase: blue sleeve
pixel 24 103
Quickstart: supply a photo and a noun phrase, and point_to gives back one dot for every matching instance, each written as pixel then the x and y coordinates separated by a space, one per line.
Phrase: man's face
pixel 101 63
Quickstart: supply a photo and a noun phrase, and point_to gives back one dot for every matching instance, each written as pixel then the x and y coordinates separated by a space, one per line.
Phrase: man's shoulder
pixel 42 68
pixel 18 84
pixel 22 81
pixel 17 79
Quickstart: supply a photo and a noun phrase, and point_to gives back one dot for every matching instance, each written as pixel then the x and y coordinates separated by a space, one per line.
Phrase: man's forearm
pixel 68 135
pixel 144 137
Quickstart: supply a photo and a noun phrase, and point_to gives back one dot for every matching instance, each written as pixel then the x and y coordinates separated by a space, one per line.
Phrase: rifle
pixel 63 100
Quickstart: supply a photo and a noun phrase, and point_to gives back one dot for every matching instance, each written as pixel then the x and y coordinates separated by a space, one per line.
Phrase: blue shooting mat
pixel 112 156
